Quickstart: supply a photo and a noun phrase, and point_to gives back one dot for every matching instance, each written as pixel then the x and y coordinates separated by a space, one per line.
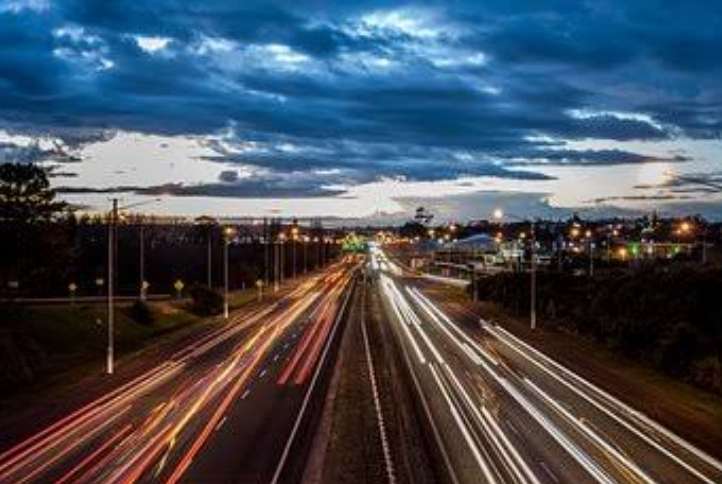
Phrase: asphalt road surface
pixel 226 408
pixel 504 412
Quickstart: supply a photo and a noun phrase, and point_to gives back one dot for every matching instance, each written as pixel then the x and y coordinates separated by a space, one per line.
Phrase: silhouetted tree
pixel 31 246
pixel 26 196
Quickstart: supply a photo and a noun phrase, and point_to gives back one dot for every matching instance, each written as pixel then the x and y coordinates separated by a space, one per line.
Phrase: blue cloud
pixel 422 91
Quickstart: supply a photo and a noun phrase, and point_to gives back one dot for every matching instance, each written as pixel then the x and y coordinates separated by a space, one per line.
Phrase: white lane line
pixel 385 283
pixel 220 424
pixel 548 471
pixel 500 334
pixel 377 403
pixel 463 428
pixel 245 394
pixel 590 433
pixel 263 373
pixel 511 457
pixel 512 427
pixel 430 307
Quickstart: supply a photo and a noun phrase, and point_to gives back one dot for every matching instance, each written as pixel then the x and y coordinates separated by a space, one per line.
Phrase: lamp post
pixel 228 233
pixel 590 241
pixel 276 264
pixel 111 262
pixel 282 258
pixel 499 215
pixel 305 240
pixel 142 262
pixel 294 240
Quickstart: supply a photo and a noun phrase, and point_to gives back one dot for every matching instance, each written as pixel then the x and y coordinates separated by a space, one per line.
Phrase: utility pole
pixel 275 266
pixel 225 280
pixel 142 262
pixel 111 283
pixel 209 260
pixel 305 254
pixel 228 234
pixel 266 253
pixel 293 254
pixel 533 276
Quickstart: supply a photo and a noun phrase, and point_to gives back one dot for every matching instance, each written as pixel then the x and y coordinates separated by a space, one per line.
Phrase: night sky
pixel 368 109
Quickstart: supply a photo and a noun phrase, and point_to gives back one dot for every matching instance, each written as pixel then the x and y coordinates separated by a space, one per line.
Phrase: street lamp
pixel 229 233
pixel 590 241
pixel 499 215
pixel 282 255
pixel 318 253
pixel 294 239
pixel 305 241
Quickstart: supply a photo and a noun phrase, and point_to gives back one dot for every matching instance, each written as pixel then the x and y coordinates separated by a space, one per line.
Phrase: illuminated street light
pixel 498 214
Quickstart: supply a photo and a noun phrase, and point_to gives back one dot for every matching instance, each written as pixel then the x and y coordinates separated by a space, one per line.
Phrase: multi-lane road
pixel 228 407
pixel 240 403
pixel 500 411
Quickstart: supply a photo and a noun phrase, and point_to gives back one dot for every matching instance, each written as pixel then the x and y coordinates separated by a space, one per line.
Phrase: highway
pixel 228 407
pixel 501 411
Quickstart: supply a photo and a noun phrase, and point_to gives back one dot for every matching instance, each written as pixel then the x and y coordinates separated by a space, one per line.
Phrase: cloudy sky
pixel 366 108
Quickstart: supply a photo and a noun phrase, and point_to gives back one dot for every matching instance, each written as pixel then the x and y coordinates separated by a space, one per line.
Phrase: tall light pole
pixel 111 286
pixel 318 253
pixel 112 243
pixel 228 234
pixel 305 240
pixel 590 241
pixel 499 215
pixel 209 258
pixel 142 262
pixel 282 248
pixel 294 240
pixel 276 264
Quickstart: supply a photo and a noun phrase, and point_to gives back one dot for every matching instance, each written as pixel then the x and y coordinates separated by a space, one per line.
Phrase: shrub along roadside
pixel 669 318
pixel 41 341
pixel 205 301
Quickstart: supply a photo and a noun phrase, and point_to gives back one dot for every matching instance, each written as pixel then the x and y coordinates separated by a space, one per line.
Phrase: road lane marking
pixel 390 473
pixel 220 424
pixel 548 471
pixel 470 442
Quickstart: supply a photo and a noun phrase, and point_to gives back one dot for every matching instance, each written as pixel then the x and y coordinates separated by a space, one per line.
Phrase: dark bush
pixel 206 302
pixel 140 312
pixel 667 317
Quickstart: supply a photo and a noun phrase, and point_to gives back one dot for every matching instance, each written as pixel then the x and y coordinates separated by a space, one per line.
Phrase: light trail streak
pixel 516 344
pixel 470 441
pixel 502 443
pixel 590 433
pixel 91 457
pixel 119 455
pixel 582 458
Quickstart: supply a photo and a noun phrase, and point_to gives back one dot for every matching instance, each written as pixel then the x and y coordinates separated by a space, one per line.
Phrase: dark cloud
pixel 469 89
pixel 13 153
pixel 692 183
pixel 592 158
pixel 228 176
